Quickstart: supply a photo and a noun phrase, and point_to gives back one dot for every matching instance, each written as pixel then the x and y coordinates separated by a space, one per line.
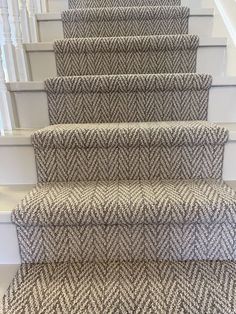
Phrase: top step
pixel 78 4
pixel 61 5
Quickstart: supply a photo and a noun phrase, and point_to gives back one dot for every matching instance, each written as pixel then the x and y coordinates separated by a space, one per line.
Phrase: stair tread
pixel 121 21
pixel 75 4
pixel 127 202
pixel 203 42
pixel 113 13
pixel 126 55
pixel 129 43
pixel 130 134
pixel 124 287
pixel 128 98
pixel 52 16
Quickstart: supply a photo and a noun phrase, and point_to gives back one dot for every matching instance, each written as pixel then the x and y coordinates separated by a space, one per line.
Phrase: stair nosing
pixel 5 215
pixel 39 85
pixel 25 139
pixel 204 42
pixel 40 17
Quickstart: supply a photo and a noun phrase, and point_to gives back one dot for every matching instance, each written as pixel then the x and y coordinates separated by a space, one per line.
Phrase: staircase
pixel 130 213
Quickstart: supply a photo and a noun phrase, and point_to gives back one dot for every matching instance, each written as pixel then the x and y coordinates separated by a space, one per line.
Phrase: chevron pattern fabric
pixel 113 287
pixel 126 55
pixel 129 21
pixel 127 203
pixel 127 220
pixel 78 4
pixel 129 151
pixel 143 242
pixel 130 213
pixel 132 98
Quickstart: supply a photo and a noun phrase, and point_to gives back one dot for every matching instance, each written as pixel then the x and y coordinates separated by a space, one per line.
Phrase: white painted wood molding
pixel 5 103
pixel 24 19
pixel 15 22
pixel 7 45
pixel 32 10
pixel 227 9
pixel 44 6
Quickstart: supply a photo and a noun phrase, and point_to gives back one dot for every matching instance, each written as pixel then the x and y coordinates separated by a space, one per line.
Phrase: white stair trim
pixel 204 42
pixel 39 85
pixel 57 16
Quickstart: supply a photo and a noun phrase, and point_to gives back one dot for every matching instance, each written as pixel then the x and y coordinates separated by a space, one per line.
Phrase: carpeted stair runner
pixel 130 214
pixel 128 98
pixel 123 196
pixel 125 21
pixel 126 55
pixel 201 287
pixel 142 220
pixel 78 4
pixel 129 151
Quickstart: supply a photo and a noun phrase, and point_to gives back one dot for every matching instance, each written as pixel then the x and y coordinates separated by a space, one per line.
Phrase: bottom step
pixel 99 288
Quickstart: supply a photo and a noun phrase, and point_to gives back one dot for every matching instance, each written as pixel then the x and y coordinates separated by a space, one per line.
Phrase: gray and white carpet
pixel 130 213
pixel 201 287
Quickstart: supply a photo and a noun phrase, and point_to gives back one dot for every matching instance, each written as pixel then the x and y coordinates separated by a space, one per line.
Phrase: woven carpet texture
pixel 130 214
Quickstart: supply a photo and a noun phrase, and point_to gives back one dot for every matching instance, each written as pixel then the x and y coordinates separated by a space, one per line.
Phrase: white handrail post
pixel 14 15
pixel 8 47
pixel 24 18
pixel 32 9
pixel 5 103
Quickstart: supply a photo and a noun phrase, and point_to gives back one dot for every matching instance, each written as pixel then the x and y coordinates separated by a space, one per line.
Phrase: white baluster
pixel 5 103
pixel 32 9
pixel 38 6
pixel 25 26
pixel 44 6
pixel 14 17
pixel 8 47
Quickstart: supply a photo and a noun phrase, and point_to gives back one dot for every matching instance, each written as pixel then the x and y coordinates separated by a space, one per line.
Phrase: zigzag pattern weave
pixel 127 197
pixel 139 288
pixel 132 98
pixel 144 242
pixel 126 55
pixel 127 220
pixel 78 4
pixel 129 21
pixel 129 151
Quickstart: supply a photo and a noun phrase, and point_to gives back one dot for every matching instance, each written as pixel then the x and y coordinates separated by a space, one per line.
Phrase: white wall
pixel 225 25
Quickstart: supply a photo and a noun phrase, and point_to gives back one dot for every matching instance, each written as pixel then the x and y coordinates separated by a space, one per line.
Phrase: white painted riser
pixel 50 25
pixel 42 64
pixel 30 104
pixel 60 5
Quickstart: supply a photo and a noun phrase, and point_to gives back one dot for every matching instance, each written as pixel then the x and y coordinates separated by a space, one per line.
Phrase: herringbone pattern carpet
pixel 130 21
pixel 130 214
pixel 126 55
pixel 132 98
pixel 139 287
pixel 129 151
pixel 77 4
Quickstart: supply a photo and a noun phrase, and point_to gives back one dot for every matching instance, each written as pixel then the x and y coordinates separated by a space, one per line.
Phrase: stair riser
pixel 170 242
pixel 31 106
pixel 119 243
pixel 18 164
pixel 51 30
pixel 9 248
pixel 207 61
pixel 60 5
